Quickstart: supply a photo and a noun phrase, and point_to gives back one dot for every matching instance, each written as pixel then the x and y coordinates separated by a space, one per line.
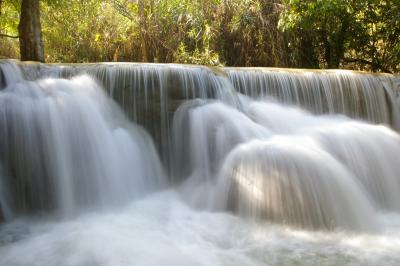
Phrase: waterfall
pixel 204 132
pixel 148 93
pixel 286 181
pixel 67 147
pixel 357 95
pixel 286 164
pixel 151 93
pixel 9 73
pixel 149 164
pixel 215 130
pixel 5 202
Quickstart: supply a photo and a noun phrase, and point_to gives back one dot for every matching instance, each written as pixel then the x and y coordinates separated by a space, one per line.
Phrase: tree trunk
pixel 340 42
pixel 308 59
pixel 30 32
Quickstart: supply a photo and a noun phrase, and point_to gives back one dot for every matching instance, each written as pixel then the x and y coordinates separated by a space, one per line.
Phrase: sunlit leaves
pixel 79 31
pixel 355 30
pixel 9 19
pixel 298 33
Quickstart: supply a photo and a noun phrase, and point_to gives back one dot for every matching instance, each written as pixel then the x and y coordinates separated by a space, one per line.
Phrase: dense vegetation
pixel 356 34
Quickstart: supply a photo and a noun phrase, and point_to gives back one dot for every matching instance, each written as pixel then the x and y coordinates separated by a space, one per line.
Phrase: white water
pixel 360 96
pixel 70 147
pixel 162 230
pixel 253 182
pixel 148 93
pixel 286 165
pixel 9 73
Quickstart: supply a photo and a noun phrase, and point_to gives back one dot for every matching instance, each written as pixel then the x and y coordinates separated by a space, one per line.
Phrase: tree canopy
pixel 355 34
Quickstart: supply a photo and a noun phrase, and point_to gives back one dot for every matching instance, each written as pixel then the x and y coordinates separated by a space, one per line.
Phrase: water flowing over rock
pixel 151 164
pixel 9 73
pixel 6 213
pixel 230 139
pixel 67 146
pixel 148 93
pixel 204 132
pixel 285 181
pixel 286 165
pixel 357 95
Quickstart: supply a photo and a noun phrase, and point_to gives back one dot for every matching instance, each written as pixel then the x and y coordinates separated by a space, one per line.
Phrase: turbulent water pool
pixel 146 164
pixel 162 230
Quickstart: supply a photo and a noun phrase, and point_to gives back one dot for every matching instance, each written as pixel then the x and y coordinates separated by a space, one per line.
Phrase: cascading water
pixel 5 202
pixel 251 181
pixel 9 74
pixel 66 145
pixel 148 93
pixel 290 166
pixel 356 95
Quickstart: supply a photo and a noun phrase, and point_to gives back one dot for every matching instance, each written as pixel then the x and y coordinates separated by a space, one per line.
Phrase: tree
pixel 355 34
pixel 87 31
pixel 30 32
pixel 376 44
pixel 9 18
pixel 362 34
pixel 326 22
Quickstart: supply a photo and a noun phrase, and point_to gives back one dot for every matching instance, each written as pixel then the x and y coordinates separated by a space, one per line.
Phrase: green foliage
pixel 82 31
pixel 205 57
pixel 360 34
pixel 9 19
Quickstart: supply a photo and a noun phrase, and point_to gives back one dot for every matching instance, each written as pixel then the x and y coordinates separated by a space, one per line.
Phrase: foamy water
pixel 162 230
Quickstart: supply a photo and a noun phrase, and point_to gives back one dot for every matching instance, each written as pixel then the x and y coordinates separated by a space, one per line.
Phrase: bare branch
pixel 122 9
pixel 8 36
pixel 366 62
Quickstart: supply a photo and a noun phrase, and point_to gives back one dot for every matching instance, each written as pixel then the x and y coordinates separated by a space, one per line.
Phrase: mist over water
pixel 197 166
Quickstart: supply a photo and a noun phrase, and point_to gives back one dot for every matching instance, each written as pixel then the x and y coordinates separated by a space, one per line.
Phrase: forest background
pixel 351 34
